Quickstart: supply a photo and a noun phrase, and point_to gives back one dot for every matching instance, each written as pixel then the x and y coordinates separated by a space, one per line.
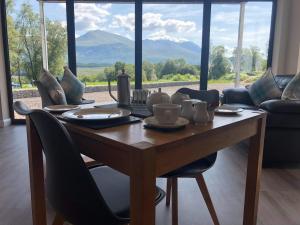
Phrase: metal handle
pixel 109 91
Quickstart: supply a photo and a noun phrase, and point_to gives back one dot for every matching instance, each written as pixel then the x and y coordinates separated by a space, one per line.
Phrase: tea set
pixel 168 111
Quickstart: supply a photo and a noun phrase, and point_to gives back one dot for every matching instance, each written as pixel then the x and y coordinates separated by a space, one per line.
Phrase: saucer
pixel 152 121
pixel 228 109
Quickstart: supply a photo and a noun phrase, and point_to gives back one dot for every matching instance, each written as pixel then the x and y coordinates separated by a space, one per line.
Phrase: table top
pixel 136 136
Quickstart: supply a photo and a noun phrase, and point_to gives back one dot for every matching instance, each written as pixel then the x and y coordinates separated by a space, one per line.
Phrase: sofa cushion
pixel 281 106
pixel 264 89
pixel 74 88
pixel 283 80
pixel 292 90
pixel 53 88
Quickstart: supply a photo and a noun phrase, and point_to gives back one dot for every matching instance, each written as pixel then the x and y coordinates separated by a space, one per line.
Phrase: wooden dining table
pixel 144 154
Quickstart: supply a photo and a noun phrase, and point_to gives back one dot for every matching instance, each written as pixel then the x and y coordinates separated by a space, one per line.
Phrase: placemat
pixel 137 110
pixel 96 125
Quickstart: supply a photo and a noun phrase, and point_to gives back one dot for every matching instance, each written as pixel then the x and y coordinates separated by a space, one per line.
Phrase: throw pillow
pixel 73 87
pixel 52 87
pixel 264 89
pixel 292 90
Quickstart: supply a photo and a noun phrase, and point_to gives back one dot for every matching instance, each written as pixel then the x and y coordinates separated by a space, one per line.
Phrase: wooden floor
pixel 279 202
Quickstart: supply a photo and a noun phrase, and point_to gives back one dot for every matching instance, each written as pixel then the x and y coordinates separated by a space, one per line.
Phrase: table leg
pixel 143 188
pixel 36 171
pixel 253 174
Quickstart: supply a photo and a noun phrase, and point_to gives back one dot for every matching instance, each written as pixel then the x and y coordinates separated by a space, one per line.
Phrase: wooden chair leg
pixel 207 199
pixel 174 201
pixel 58 220
pixel 168 192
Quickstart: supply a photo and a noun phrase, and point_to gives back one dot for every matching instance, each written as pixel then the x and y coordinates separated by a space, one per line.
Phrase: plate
pixel 96 114
pixel 152 121
pixel 61 108
pixel 228 109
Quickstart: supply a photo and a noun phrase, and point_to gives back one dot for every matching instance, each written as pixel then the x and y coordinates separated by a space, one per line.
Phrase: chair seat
pixel 192 169
pixel 115 189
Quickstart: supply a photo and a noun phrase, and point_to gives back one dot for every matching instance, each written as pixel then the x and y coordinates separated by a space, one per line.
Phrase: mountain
pixel 101 47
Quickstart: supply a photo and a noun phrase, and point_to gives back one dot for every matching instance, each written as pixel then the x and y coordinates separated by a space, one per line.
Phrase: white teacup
pixel 166 113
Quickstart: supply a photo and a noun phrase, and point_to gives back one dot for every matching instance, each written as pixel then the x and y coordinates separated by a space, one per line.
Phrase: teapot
pixel 157 98
pixel 178 98
pixel 123 88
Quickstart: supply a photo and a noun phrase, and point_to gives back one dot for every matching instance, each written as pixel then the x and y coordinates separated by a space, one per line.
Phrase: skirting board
pixel 5 123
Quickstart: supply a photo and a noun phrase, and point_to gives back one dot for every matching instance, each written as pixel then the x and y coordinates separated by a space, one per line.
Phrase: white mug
pixel 166 113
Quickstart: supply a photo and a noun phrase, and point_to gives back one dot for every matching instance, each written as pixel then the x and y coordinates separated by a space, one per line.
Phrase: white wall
pixel 287 37
pixel 4 111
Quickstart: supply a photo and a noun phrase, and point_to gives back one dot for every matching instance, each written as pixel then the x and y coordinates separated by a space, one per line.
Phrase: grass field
pixel 89 70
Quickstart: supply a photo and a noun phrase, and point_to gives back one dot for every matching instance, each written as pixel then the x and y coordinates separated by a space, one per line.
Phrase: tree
pixel 169 68
pixel 220 65
pixel 119 66
pixel 57 46
pixel 15 49
pixel 149 70
pixel 255 57
pixel 27 24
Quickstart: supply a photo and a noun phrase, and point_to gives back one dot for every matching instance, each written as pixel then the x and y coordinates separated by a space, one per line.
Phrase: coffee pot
pixel 123 89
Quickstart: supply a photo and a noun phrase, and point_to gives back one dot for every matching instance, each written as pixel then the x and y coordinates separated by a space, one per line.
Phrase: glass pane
pixel 104 45
pixel 25 46
pixel 256 40
pixel 224 39
pixel 172 46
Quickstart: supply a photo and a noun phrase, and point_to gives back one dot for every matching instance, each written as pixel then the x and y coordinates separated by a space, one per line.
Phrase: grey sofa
pixel 282 140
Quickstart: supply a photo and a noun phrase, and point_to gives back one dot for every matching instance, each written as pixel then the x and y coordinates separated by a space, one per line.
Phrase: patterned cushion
pixel 264 89
pixel 53 88
pixel 73 87
pixel 292 90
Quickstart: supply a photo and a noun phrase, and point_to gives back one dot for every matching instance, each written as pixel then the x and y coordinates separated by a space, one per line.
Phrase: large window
pixel 158 43
pixel 172 45
pixel 104 45
pixel 240 35
pixel 223 45
pixel 26 46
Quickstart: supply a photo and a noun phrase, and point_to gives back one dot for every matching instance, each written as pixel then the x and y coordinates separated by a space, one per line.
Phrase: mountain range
pixel 104 48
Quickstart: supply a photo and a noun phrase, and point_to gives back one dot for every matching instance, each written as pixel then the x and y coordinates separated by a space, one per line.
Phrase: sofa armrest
pixel 236 96
pixel 281 106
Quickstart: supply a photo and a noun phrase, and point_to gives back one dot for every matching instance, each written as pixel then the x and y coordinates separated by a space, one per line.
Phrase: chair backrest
pixel 212 97
pixel 21 108
pixel 46 99
pixel 71 190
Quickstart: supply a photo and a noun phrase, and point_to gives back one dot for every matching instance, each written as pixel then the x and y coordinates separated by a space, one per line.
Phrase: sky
pixel 176 22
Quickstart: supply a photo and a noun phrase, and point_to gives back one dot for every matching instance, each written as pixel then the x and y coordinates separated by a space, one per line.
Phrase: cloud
pixel 155 21
pixel 162 35
pixel 227 17
pixel 90 16
pixel 124 21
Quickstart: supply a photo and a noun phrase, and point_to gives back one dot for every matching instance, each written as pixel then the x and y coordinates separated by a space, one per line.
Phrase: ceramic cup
pixel 166 113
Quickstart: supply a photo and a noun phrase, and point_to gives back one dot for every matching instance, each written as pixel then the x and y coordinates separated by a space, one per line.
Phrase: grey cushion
pixel 292 90
pixel 52 87
pixel 74 88
pixel 264 89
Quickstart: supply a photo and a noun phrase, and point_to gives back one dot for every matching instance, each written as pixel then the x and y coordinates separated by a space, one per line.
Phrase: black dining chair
pixel 195 169
pixel 22 109
pixel 81 196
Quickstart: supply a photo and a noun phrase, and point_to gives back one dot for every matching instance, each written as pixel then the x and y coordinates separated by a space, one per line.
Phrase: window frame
pixel 138 37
